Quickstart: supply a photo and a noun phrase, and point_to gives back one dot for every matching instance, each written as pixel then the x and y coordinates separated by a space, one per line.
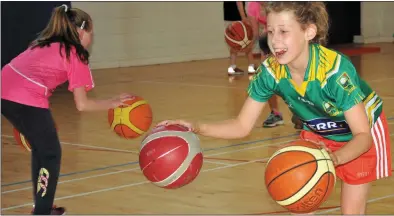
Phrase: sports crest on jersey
pixel 346 83
pixel 330 109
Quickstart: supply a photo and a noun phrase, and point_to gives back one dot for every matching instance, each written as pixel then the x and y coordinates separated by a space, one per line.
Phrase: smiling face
pixel 287 39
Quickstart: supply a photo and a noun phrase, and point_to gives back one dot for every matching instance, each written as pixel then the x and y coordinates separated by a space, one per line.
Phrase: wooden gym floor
pixel 100 172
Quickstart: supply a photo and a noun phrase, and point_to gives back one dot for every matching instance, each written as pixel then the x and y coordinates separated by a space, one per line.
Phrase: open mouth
pixel 280 52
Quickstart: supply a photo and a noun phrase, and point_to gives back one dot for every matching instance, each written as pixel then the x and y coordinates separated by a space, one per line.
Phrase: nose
pixel 275 38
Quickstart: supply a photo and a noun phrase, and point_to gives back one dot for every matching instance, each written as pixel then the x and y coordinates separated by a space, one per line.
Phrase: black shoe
pixel 273 120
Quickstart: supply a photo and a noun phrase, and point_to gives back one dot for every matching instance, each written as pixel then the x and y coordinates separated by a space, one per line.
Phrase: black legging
pixel 37 125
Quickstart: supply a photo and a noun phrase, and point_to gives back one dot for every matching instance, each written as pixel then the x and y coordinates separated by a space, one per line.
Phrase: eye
pixel 269 31
pixel 283 31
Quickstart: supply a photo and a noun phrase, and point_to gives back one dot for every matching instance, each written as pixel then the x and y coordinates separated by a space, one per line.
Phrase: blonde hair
pixel 306 13
pixel 62 27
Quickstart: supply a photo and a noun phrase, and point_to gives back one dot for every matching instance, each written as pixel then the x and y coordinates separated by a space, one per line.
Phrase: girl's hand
pixel 120 100
pixel 115 103
pixel 124 96
pixel 192 127
pixel 332 155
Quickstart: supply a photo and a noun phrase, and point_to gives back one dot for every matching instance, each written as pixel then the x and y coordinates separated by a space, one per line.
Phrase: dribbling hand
pixel 120 99
pixel 192 127
pixel 332 155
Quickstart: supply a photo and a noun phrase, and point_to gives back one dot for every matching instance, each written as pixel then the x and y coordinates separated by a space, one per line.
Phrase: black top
pixel 230 10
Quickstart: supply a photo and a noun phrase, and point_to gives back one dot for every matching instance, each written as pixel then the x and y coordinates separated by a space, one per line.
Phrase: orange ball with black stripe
pixel 300 176
pixel 21 140
pixel 133 120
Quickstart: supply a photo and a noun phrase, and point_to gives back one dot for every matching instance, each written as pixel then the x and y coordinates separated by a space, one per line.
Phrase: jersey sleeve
pixel 79 74
pixel 261 88
pixel 345 86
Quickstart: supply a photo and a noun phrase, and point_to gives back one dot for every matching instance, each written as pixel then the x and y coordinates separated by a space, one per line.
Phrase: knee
pixel 48 147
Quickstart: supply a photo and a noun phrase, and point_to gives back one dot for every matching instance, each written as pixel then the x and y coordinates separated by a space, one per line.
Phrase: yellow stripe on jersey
pixel 323 64
pixel 276 70
pixel 328 65
pixel 300 89
pixel 372 103
pixel 312 65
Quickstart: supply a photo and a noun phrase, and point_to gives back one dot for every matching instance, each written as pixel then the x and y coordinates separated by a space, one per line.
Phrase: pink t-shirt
pixel 32 76
pixel 254 10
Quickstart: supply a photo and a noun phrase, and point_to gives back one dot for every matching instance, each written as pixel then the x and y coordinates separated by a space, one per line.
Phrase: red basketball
pixel 170 156
pixel 300 176
pixel 238 35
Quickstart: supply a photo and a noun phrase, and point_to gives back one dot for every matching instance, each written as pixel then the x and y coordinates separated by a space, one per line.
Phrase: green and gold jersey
pixel 331 86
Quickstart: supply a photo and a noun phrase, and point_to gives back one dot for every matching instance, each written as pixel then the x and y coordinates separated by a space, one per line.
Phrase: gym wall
pixel 377 22
pixel 142 33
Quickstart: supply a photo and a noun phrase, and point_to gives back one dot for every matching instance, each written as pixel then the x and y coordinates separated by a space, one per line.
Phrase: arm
pixel 83 103
pixel 347 91
pixel 241 10
pixel 234 128
pixel 362 138
pixel 80 81
pixel 260 90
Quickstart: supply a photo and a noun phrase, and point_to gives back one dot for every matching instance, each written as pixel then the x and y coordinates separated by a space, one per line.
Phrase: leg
pixel 354 198
pixel 46 157
pixel 232 69
pixel 371 166
pixel 250 51
pixel 275 118
pixel 35 169
pixel 251 68
pixel 273 103
pixel 39 129
pixel 10 111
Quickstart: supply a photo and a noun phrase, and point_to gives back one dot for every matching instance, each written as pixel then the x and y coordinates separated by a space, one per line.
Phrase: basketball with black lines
pixel 133 120
pixel 300 176
pixel 238 35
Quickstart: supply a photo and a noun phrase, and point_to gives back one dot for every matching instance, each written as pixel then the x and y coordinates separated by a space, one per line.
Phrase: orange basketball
pixel 300 176
pixel 133 120
pixel 21 140
pixel 238 35
pixel 170 156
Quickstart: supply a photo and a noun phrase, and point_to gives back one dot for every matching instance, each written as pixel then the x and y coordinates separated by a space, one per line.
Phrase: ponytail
pixel 62 27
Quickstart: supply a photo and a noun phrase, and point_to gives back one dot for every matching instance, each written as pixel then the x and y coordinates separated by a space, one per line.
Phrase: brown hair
pixel 62 27
pixel 306 13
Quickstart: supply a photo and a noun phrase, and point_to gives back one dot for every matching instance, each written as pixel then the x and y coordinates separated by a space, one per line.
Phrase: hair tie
pixel 65 8
pixel 82 25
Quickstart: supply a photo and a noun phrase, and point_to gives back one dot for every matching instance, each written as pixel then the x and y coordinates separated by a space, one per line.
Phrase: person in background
pixel 258 20
pixel 235 11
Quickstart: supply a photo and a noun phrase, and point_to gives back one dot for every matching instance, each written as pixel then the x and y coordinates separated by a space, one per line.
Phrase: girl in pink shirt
pixel 58 55
pixel 258 18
